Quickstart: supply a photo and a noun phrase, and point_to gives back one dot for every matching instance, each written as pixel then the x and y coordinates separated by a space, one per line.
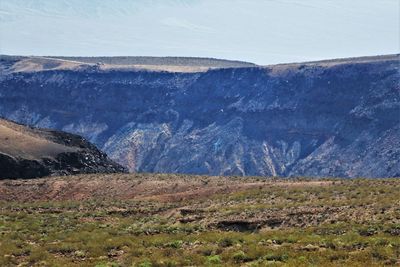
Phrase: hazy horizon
pixel 263 32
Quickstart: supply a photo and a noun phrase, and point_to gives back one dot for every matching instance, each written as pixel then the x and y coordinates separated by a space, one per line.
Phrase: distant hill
pixel 170 61
pixel 27 152
pixel 172 64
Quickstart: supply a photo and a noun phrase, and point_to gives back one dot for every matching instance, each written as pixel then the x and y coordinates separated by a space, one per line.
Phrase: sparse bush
pixel 174 244
pixel 96 231
pixel 146 263
pixel 214 259
pixel 239 256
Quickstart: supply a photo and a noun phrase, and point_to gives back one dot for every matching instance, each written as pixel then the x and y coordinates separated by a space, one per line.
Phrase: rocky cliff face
pixel 333 118
pixel 29 152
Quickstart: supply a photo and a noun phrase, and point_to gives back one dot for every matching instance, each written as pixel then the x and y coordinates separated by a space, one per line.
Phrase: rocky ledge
pixel 27 152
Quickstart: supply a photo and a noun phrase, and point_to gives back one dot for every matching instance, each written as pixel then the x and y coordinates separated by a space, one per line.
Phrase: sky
pixel 259 31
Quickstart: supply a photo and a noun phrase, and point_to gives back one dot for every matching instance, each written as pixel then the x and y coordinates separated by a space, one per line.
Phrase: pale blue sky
pixel 260 31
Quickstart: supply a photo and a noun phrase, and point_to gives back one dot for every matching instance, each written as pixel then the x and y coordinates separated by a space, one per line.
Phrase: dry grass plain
pixel 180 220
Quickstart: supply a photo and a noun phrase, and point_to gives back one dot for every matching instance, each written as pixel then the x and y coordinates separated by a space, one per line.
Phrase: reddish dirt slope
pixel 163 187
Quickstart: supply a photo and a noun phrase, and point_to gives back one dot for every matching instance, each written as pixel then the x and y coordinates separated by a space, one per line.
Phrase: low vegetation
pixel 292 223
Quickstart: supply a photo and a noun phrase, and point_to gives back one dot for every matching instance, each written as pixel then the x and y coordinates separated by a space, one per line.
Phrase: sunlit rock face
pixel 328 119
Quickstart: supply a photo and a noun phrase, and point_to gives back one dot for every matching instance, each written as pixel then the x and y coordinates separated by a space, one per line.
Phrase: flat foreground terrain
pixel 177 220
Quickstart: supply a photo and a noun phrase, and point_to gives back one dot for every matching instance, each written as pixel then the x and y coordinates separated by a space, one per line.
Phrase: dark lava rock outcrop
pixel 30 152
pixel 332 118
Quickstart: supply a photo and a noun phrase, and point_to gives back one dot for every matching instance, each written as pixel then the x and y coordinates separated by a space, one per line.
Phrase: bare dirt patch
pixel 158 187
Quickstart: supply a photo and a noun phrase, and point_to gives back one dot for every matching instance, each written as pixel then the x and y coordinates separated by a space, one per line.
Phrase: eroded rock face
pixel 21 168
pixel 327 119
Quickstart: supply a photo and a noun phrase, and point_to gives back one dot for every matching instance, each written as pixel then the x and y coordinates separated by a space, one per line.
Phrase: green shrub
pixel 214 259
pixel 239 256
pixel 146 263
pixel 174 244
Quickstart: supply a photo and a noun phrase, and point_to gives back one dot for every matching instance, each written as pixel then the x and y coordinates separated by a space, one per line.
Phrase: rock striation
pixel 330 118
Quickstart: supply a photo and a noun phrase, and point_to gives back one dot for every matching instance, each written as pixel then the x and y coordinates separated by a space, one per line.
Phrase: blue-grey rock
pixel 333 118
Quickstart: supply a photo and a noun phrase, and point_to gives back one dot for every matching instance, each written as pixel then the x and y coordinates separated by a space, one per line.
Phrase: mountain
pixel 327 118
pixel 27 152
